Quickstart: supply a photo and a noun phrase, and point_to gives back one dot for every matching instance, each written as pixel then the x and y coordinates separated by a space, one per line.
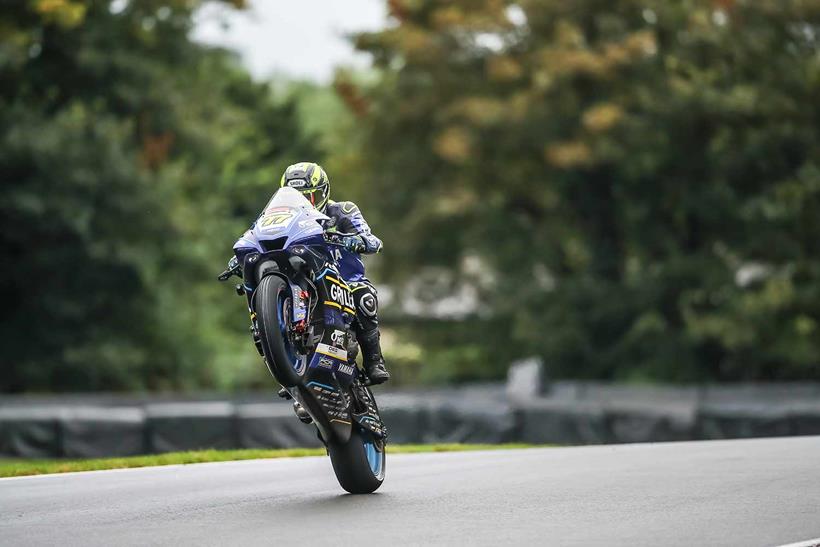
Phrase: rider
pixel 345 218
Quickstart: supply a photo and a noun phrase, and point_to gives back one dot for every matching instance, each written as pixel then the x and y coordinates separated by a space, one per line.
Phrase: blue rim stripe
pixel 374 457
pixel 321 275
pixel 295 360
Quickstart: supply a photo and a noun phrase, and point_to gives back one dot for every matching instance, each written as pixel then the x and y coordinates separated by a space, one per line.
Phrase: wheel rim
pixel 283 315
pixel 375 456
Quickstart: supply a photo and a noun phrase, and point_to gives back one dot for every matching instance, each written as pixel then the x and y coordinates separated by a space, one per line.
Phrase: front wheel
pixel 359 463
pixel 273 306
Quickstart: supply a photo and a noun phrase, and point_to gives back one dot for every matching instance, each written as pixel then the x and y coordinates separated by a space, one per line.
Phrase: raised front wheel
pixel 274 309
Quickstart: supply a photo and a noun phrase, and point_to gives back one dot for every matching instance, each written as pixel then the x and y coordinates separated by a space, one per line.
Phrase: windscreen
pixel 283 209
pixel 287 214
pixel 288 197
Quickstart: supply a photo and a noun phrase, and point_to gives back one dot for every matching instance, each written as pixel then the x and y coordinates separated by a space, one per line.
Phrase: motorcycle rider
pixel 346 218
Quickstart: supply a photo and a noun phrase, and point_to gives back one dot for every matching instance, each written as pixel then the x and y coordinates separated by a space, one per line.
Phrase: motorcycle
pixel 301 314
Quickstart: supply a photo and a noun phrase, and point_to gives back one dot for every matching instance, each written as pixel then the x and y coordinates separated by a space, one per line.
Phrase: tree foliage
pixel 639 181
pixel 629 189
pixel 130 157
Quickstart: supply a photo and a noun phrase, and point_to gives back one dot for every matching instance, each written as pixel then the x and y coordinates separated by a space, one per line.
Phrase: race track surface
pixel 746 493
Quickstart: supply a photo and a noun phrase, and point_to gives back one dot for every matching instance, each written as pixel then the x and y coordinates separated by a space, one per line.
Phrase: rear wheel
pixel 359 463
pixel 273 306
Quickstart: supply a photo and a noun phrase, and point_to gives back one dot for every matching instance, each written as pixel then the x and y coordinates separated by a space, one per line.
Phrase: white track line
pixel 808 543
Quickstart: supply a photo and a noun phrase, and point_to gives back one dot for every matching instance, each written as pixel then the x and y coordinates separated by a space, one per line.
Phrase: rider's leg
pixel 367 331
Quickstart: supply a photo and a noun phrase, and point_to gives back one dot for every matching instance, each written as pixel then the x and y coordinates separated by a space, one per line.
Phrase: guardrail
pixel 569 413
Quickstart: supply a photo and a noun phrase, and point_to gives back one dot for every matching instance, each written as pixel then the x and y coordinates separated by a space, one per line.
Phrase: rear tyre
pixel 359 463
pixel 273 306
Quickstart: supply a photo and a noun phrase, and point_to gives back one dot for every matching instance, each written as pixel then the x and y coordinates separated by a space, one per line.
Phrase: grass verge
pixel 19 468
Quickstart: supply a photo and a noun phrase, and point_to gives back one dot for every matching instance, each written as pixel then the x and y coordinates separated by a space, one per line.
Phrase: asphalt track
pixel 746 493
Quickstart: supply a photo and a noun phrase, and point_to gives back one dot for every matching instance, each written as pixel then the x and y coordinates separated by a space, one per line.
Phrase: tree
pixel 130 158
pixel 638 181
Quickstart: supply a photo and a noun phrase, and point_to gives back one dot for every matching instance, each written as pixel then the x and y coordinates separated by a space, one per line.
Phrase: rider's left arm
pixel 372 243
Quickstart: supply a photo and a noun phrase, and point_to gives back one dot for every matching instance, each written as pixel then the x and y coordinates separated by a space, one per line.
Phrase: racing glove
pixel 354 244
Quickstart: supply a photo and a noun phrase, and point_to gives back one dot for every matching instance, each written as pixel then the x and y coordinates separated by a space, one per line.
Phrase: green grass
pixel 19 468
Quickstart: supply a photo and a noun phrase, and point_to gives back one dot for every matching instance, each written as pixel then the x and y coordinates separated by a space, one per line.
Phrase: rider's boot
pixel 372 356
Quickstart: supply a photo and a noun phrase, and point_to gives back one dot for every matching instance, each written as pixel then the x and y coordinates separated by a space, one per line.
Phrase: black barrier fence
pixel 570 413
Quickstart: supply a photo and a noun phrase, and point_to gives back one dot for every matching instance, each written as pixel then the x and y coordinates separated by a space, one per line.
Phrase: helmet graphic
pixel 311 180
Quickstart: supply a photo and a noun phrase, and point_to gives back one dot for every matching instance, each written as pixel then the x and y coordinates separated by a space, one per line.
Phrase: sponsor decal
pixel 338 338
pixel 341 295
pixel 276 217
pixel 330 351
pixel 297 183
pixel 346 369
pixel 324 362
pixel 299 307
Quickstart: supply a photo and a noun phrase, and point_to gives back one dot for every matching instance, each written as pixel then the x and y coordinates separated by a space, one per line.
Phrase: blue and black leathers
pixel 347 219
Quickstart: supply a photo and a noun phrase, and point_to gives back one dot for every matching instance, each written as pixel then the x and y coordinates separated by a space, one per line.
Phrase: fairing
pixel 287 215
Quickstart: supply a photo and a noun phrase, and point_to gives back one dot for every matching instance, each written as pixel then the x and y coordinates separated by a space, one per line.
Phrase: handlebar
pixel 224 276
pixel 233 269
pixel 337 238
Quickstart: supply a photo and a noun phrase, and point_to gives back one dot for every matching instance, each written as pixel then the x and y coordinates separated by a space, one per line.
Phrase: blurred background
pixel 622 191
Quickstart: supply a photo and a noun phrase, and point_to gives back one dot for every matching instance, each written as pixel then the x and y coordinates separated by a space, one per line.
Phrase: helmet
pixel 311 180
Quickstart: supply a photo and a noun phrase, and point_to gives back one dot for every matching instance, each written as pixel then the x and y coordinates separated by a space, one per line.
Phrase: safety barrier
pixel 568 413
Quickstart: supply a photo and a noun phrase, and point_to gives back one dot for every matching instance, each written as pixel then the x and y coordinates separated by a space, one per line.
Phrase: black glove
pixel 354 244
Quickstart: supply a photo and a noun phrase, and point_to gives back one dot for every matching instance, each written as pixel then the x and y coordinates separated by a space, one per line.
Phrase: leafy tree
pixel 130 158
pixel 638 181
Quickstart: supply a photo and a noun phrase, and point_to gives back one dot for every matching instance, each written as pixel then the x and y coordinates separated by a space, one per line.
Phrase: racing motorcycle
pixel 301 320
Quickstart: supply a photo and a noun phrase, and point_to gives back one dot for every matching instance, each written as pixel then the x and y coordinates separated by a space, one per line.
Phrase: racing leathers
pixel 346 219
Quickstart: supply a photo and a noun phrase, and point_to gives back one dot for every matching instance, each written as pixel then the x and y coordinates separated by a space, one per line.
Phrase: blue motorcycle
pixel 301 314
